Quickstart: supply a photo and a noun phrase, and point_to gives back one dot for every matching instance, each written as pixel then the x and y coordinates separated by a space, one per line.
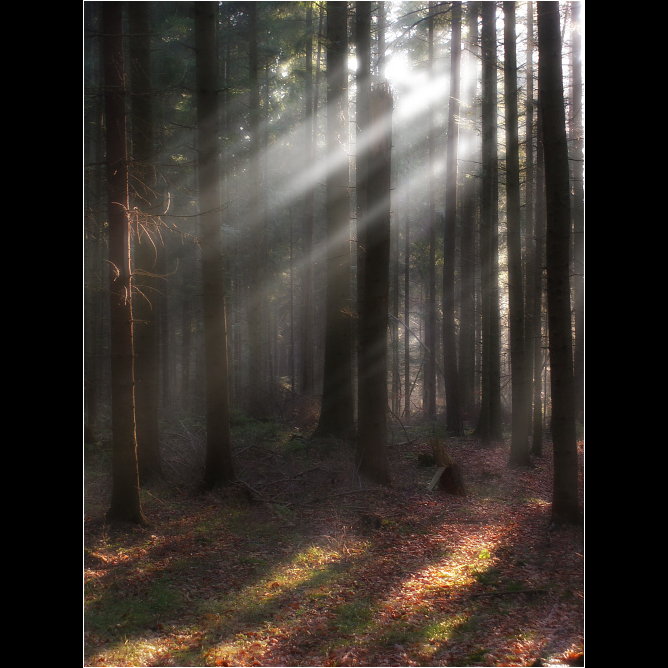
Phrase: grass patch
pixel 354 617
pixel 122 611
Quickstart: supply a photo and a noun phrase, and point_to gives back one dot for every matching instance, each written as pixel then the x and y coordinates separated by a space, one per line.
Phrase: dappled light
pixel 439 579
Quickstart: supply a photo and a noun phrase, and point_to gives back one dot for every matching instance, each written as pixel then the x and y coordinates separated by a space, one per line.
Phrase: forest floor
pixel 305 564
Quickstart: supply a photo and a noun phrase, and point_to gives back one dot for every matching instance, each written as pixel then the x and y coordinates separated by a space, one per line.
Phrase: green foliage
pixel 354 617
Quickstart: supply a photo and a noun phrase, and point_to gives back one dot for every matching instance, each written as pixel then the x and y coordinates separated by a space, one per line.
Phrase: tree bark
pixel 430 324
pixel 469 225
pixel 577 162
pixel 219 467
pixel 146 249
pixel 337 413
pixel 125 501
pixel 362 125
pixel 539 288
pixel 95 243
pixel 373 363
pixel 489 420
pixel 256 297
pixel 534 217
pixel 452 400
pixel 565 505
pixel 521 396
pixel 309 203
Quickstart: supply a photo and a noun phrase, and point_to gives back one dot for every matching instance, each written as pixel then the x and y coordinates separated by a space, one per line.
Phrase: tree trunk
pixel 337 414
pixel 94 246
pixel 534 243
pixel 521 396
pixel 125 502
pixel 538 287
pixel 452 400
pixel 430 325
pixel 489 420
pixel 255 320
pixel 147 245
pixel 565 505
pixel 577 162
pixel 309 203
pixel 407 315
pixel 373 395
pixel 362 125
pixel 469 222
pixel 218 466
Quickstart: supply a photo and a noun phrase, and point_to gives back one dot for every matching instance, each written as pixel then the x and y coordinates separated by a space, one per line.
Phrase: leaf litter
pixel 305 564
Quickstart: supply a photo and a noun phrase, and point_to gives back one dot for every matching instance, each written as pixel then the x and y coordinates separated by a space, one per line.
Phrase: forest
pixel 333 333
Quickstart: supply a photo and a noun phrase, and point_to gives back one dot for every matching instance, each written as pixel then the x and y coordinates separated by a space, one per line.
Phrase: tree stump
pixel 451 479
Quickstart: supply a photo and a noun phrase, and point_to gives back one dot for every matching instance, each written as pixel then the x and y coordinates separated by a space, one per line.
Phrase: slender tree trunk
pixel 489 421
pixel 94 247
pixel 309 203
pixel 407 314
pixel 218 466
pixel 147 246
pixel 519 444
pixel 363 122
pixel 337 414
pixel 394 330
pixel 467 326
pixel 534 291
pixel 452 399
pixel 373 363
pixel 125 501
pixel 577 149
pixel 565 505
pixel 430 325
pixel 255 327
pixel 538 285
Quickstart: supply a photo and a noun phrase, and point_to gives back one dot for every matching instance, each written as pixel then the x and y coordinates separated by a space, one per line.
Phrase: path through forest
pixel 321 568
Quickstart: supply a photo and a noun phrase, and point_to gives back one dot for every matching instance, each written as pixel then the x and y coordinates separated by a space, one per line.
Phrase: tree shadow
pixel 441 580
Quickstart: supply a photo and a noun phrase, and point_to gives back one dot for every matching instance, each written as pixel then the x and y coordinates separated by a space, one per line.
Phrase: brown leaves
pixel 447 580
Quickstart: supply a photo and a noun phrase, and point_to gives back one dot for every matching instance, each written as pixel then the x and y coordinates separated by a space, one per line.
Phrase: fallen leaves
pixel 440 580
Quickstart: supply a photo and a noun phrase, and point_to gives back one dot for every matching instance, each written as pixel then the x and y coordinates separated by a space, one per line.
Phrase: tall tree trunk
pixel 373 365
pixel 489 420
pixel 218 465
pixel 469 217
pixel 94 243
pixel 309 203
pixel 577 150
pixel 256 300
pixel 407 314
pixel 452 400
pixel 337 414
pixel 521 395
pixel 565 505
pixel 363 122
pixel 534 243
pixel 125 501
pixel 430 325
pixel 147 245
pixel 538 287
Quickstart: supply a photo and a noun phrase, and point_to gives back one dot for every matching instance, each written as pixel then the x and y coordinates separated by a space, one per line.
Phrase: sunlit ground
pixel 472 581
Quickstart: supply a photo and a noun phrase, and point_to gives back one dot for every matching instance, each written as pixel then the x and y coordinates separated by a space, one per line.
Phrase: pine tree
pixel 565 505
pixel 337 414
pixel 125 502
pixel 219 467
